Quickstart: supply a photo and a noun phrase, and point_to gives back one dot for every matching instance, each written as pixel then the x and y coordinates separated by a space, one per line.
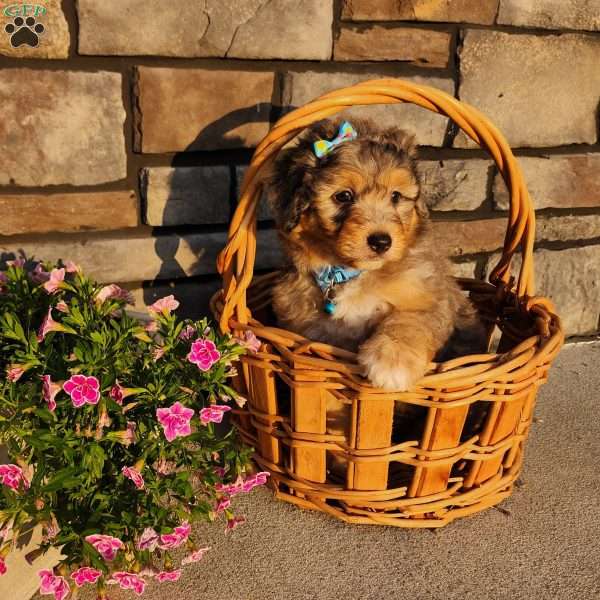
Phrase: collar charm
pixel 330 276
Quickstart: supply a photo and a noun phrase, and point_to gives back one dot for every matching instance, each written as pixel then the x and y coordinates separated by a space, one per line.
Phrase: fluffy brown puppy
pixel 359 207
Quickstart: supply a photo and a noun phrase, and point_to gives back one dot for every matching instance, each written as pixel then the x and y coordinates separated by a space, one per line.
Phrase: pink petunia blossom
pixel 39 274
pixel 118 393
pixel 174 540
pixel 53 584
pixel 220 471
pixel 115 292
pixel 242 485
pixel 2 566
pixel 213 414
pixel 85 575
pixel 49 391
pixel 48 325
pixel 106 545
pixel 55 282
pixel 148 540
pixel 187 333
pixel 62 306
pixel 71 267
pixel 168 575
pixel 135 476
pixel 14 373
pixel 203 354
pixel 195 556
pixel 12 477
pixel 175 420
pixel 165 467
pixel 248 340
pixel 234 522
pixel 164 305
pixel 151 327
pixel 50 530
pixel 158 352
pixel 83 390
pixel 17 263
pixel 128 581
pixel 222 505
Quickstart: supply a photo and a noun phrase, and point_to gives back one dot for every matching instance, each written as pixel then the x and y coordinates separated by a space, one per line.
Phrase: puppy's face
pixel 357 206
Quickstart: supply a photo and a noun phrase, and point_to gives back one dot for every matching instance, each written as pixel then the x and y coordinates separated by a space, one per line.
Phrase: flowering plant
pixel 110 429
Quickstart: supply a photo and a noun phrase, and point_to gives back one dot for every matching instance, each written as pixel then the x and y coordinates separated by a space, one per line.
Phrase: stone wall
pixel 125 133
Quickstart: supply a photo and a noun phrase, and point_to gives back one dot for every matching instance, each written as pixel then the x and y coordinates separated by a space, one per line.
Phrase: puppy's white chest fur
pixel 356 305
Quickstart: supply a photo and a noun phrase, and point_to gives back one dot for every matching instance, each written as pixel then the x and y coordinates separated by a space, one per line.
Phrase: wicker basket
pixel 325 434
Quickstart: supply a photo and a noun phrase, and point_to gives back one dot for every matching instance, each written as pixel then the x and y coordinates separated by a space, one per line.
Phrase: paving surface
pixel 543 544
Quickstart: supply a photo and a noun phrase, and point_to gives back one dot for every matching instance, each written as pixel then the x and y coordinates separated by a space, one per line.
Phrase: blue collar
pixel 330 276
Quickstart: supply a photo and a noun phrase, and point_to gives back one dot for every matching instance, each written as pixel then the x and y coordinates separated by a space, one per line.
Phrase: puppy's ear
pixel 289 182
pixel 288 187
pixel 399 141
pixel 421 208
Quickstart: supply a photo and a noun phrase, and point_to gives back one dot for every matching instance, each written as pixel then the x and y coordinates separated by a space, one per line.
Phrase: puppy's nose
pixel 380 242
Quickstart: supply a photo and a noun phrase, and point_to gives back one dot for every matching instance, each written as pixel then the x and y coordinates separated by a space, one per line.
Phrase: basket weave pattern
pixel 331 440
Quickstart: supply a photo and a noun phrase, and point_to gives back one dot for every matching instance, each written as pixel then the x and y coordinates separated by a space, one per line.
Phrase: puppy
pixel 365 273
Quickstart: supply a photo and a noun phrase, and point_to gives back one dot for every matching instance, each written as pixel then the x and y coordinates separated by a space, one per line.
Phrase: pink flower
pixel 57 276
pixel 234 522
pixel 52 584
pixel 151 327
pixel 39 274
pixel 148 540
pixel 243 485
pixel 204 354
pixel 164 305
pixel 106 545
pixel 165 467
pixel 158 353
pixel 51 530
pixel 85 575
pixel 175 420
pixel 255 480
pixel 48 325
pixel 12 476
pixel 116 393
pixel 248 340
pixel 195 556
pixel 135 476
pixel 2 566
pixel 82 390
pixel 115 292
pixel 223 504
pixel 49 391
pixel 187 333
pixel 14 372
pixel 168 575
pixel 174 540
pixel 17 263
pixel 128 581
pixel 71 267
pixel 213 414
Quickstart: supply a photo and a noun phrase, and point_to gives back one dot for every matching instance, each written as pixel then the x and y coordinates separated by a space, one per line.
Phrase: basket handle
pixel 236 261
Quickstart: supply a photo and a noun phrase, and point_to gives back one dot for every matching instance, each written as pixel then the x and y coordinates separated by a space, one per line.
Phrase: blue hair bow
pixel 346 133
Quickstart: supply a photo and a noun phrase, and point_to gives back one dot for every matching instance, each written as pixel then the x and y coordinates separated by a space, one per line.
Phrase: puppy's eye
pixel 344 197
pixel 396 197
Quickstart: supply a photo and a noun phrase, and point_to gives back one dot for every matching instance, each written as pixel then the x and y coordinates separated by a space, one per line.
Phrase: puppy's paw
pixel 390 365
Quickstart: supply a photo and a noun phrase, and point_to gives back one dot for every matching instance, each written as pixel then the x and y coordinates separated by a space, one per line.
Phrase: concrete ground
pixel 543 543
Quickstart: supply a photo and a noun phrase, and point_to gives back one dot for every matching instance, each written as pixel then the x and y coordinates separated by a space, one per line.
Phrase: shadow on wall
pixel 215 144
